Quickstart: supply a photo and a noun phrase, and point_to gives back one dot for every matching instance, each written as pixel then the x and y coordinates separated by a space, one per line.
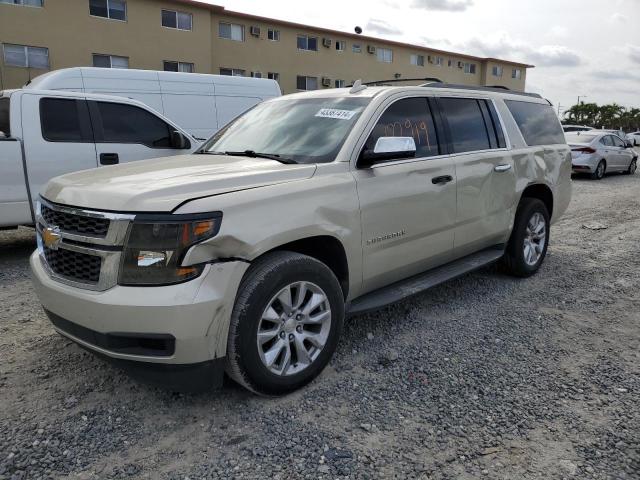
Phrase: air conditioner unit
pixel 460 64
pixel 326 42
pixel 255 31
pixel 371 49
pixel 326 82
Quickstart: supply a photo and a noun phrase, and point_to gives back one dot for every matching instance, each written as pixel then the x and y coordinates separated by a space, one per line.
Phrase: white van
pixel 201 104
pixel 45 133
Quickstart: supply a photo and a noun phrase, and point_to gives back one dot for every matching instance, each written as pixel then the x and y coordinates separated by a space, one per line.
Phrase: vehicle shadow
pixel 17 245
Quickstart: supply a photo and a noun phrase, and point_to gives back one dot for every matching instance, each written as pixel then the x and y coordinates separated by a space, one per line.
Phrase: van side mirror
pixel 179 141
pixel 389 148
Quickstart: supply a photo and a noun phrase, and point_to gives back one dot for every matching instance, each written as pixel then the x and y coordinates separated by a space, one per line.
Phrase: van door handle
pixel 502 168
pixel 441 180
pixel 109 159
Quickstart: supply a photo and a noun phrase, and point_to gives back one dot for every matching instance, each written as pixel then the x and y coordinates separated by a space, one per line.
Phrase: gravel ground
pixel 486 376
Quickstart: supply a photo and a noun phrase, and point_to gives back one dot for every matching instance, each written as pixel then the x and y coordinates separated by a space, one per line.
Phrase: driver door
pixel 407 206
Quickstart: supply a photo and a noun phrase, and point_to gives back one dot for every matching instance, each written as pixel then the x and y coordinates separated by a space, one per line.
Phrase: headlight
pixel 156 246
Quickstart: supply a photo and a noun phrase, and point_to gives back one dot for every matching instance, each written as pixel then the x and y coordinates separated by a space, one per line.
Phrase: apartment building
pixel 190 36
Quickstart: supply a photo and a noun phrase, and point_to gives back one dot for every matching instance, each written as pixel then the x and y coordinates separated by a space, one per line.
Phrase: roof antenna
pixel 357 86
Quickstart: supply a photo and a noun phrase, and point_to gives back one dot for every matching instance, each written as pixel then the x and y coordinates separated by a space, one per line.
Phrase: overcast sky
pixel 579 47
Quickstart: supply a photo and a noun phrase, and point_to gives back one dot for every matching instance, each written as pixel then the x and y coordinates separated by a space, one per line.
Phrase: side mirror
pixel 179 141
pixel 389 148
pixel 628 144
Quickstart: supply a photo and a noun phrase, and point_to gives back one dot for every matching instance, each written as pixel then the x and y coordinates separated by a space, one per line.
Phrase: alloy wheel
pixel 294 328
pixel 535 238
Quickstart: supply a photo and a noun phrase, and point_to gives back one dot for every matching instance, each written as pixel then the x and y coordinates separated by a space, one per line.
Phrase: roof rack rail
pixel 498 89
pixel 397 80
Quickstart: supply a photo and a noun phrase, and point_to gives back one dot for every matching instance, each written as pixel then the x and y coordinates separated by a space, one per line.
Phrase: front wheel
pixel 285 323
pixel 632 167
pixel 527 246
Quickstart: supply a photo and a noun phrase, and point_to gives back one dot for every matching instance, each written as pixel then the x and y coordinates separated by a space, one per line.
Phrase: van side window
pixel 129 124
pixel 467 126
pixel 4 117
pixel 409 117
pixel 537 122
pixel 65 120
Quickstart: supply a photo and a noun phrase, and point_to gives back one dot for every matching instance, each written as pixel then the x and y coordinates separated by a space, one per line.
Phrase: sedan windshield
pixel 310 130
pixel 580 137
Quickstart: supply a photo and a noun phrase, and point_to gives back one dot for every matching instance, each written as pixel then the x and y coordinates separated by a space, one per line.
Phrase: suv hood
pixel 162 184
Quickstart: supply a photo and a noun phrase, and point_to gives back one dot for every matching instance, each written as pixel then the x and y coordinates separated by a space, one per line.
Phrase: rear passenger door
pixel 407 205
pixel 485 175
pixel 58 138
pixel 124 133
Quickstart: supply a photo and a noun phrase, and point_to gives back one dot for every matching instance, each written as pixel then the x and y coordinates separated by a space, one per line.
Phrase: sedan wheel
pixel 633 166
pixel 600 171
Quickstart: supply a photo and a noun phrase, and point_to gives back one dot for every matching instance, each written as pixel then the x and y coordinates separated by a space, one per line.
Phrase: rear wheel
pixel 527 246
pixel 600 171
pixel 285 324
pixel 633 166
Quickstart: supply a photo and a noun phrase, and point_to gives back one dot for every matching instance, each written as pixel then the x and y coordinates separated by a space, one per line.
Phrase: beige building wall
pixel 72 36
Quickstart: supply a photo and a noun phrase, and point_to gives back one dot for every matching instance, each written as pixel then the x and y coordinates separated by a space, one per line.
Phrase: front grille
pixel 75 266
pixel 77 224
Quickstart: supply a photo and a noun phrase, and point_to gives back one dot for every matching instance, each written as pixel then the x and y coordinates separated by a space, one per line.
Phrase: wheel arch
pixel 542 192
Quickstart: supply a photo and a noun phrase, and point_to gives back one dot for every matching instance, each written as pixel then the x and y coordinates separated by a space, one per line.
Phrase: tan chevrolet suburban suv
pixel 246 256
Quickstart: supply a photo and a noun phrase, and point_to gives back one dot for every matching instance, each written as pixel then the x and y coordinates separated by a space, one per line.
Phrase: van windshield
pixel 299 130
pixel 4 117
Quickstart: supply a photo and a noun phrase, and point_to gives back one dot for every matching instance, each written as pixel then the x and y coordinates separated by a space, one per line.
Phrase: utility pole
pixel 581 96
pixel 559 108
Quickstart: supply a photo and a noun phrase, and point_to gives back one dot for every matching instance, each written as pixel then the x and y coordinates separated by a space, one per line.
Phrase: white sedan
pixel 634 137
pixel 597 153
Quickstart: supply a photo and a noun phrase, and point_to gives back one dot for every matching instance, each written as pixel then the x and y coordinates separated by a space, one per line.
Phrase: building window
pixel 306 83
pixel 184 67
pixel 25 56
pixel 516 73
pixel 438 61
pixel 256 74
pixel 113 9
pixel 273 34
pixel 273 76
pixel 307 43
pixel 496 71
pixel 449 63
pixel 385 55
pixel 28 3
pixel 417 60
pixel 110 61
pixel 339 83
pixel 231 31
pixel 232 72
pixel 341 45
pixel 179 20
pixel 356 48
pixel 470 68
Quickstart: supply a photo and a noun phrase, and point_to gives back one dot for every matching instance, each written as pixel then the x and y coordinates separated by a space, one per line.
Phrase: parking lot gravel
pixel 486 376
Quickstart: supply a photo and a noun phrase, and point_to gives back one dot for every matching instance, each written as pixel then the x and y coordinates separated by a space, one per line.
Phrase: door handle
pixel 502 168
pixel 441 180
pixel 109 159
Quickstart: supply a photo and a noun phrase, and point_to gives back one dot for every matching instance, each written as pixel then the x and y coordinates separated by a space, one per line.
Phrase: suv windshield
pixel 301 130
pixel 4 116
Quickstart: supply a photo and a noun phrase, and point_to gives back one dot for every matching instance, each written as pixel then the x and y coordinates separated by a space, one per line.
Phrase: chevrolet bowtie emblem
pixel 51 237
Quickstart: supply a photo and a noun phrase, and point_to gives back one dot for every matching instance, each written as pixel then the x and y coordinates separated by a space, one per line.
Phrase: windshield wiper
pixel 254 154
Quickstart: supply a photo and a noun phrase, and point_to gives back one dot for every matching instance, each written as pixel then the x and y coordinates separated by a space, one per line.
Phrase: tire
pixel 601 169
pixel 515 261
pixel 632 167
pixel 257 304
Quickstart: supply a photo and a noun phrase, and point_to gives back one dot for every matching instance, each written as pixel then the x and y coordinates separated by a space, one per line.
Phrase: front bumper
pixel 184 324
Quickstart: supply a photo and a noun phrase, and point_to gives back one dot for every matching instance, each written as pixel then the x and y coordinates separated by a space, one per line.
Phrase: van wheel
pixel 600 171
pixel 285 323
pixel 632 167
pixel 527 246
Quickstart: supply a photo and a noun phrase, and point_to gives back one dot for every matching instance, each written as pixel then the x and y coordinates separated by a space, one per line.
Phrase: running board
pixel 421 282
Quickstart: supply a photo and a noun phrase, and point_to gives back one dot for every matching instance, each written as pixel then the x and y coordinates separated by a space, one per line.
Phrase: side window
pixel 410 117
pixel 606 141
pixel 537 122
pixel 617 141
pixel 65 120
pixel 467 124
pixel 5 124
pixel 129 124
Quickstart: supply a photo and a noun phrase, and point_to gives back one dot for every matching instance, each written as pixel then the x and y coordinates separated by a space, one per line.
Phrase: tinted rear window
pixel 537 122
pixel 4 117
pixel 64 120
pixel 469 131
